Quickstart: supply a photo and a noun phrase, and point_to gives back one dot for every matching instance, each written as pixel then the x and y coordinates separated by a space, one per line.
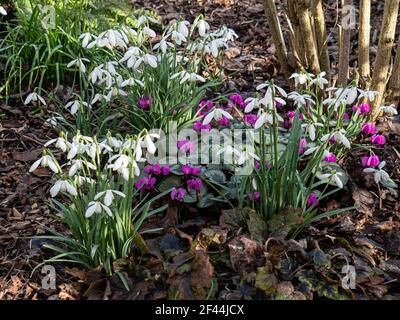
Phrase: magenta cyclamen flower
pixel 178 194
pixel 238 100
pixel 195 184
pixel 312 200
pixel 165 170
pixel 144 102
pixel 254 196
pixel 250 119
pixel 187 146
pixel 206 105
pixel 331 157
pixel 146 183
pixel 302 145
pixel 199 126
pixel 188 169
pixel 378 139
pixel 362 108
pixel 369 128
pixel 258 165
pixel 290 114
pixel 224 122
pixel 371 161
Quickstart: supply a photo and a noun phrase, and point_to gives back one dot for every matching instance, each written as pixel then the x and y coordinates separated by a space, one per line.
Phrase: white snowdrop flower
pixel 75 149
pixel 269 90
pixel 131 82
pixel 3 11
pixel 214 46
pixel 80 180
pixel 74 106
pixel 148 143
pixel 122 161
pixel 96 74
pixel 109 196
pixel 339 136
pixel 79 63
pixel 320 80
pixel 46 161
pixel 60 143
pixel 85 37
pixel 146 32
pixel 230 151
pixel 113 143
pixel 332 177
pixel 150 60
pixel 216 114
pixel 78 164
pixel 182 27
pixel 380 175
pixel 311 130
pixel 131 56
pixel 63 186
pixel 53 121
pixel 264 118
pixel 368 94
pixel 251 104
pixel 146 19
pixel 202 27
pixel 97 207
pixel 389 110
pixel 100 97
pixel 163 45
pixel 301 78
pixel 128 33
pixel 311 150
pixel 247 155
pixel 300 99
pixel 110 66
pixel 34 97
pixel 178 37
pixel 186 76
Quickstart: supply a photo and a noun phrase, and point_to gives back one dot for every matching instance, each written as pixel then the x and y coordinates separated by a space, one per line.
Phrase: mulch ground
pixel 208 254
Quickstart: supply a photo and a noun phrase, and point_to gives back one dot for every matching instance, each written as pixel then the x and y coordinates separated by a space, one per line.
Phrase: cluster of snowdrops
pixel 108 184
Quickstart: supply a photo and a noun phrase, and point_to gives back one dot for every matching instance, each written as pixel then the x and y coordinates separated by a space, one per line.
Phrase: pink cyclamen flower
pixel 146 183
pixel 291 114
pixel 378 139
pixel 206 105
pixel 346 116
pixel 371 161
pixel 254 196
pixel 156 169
pixel 302 145
pixel 362 108
pixel 238 100
pixel 195 184
pixel 195 171
pixel 144 102
pixel 369 128
pixel 331 157
pixel 312 200
pixel 187 146
pixel 165 170
pixel 186 169
pixel 199 126
pixel 178 194
pixel 332 140
pixel 278 104
pixel 224 122
pixel 250 119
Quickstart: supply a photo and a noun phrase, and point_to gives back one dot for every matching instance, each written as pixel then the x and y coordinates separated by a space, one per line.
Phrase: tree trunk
pixel 394 84
pixel 277 36
pixel 321 36
pixel 386 40
pixel 364 42
pixel 344 48
pixel 297 43
pixel 303 7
